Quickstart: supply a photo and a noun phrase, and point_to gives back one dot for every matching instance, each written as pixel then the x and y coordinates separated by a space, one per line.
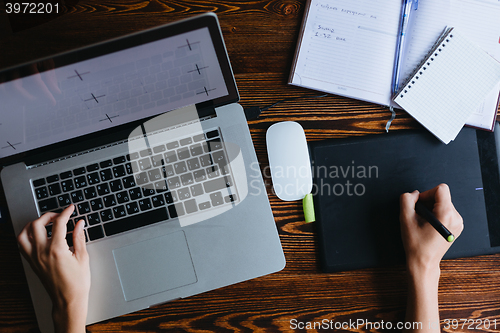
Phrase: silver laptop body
pixel 174 202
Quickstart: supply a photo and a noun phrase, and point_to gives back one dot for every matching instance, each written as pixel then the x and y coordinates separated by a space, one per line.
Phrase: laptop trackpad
pixel 154 266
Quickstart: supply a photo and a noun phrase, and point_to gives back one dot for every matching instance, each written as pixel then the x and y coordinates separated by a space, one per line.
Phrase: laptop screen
pixel 114 83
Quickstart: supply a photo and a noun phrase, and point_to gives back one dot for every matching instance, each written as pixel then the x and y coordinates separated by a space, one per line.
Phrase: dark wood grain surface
pixel 260 38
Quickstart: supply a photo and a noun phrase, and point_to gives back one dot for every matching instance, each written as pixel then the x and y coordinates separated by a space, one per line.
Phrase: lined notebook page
pixel 348 48
pixel 449 86
pixel 479 20
pixel 426 25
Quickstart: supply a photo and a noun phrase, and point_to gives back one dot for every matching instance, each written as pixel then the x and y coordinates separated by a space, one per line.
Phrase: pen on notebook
pixel 424 212
pixel 405 18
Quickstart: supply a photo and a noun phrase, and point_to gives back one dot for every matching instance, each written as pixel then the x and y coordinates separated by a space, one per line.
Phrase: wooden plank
pixel 260 38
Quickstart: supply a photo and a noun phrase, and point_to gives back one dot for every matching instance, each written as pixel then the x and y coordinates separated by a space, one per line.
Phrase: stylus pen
pixel 423 211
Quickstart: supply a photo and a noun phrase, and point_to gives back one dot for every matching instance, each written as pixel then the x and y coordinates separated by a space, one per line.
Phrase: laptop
pixel 143 134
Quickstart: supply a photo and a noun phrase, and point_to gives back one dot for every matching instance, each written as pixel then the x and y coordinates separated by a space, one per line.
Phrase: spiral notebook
pixel 449 84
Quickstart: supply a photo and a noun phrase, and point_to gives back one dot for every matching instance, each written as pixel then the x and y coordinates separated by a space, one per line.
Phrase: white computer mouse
pixel 289 160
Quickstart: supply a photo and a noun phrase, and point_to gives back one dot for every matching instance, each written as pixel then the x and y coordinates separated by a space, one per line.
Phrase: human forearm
pixel 423 299
pixel 70 318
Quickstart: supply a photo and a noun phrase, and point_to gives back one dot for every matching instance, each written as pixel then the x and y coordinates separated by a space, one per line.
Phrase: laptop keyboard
pixel 119 194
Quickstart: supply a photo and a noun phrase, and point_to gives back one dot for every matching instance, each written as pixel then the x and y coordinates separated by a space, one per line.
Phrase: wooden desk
pixel 260 38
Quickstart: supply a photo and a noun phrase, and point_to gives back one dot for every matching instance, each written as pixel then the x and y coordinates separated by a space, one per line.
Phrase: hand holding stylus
pixel 423 244
pixel 425 247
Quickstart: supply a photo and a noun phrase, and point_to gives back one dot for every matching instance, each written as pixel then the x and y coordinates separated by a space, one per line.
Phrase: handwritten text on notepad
pixel 334 45
pixel 328 7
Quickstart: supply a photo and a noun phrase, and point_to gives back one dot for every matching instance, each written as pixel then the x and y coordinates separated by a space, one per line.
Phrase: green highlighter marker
pixel 308 206
pixel 423 211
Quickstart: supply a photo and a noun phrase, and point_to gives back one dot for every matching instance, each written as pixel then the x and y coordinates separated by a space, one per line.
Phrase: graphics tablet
pixel 358 181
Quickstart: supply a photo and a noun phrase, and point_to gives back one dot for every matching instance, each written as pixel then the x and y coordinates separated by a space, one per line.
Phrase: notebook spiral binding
pixel 418 71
